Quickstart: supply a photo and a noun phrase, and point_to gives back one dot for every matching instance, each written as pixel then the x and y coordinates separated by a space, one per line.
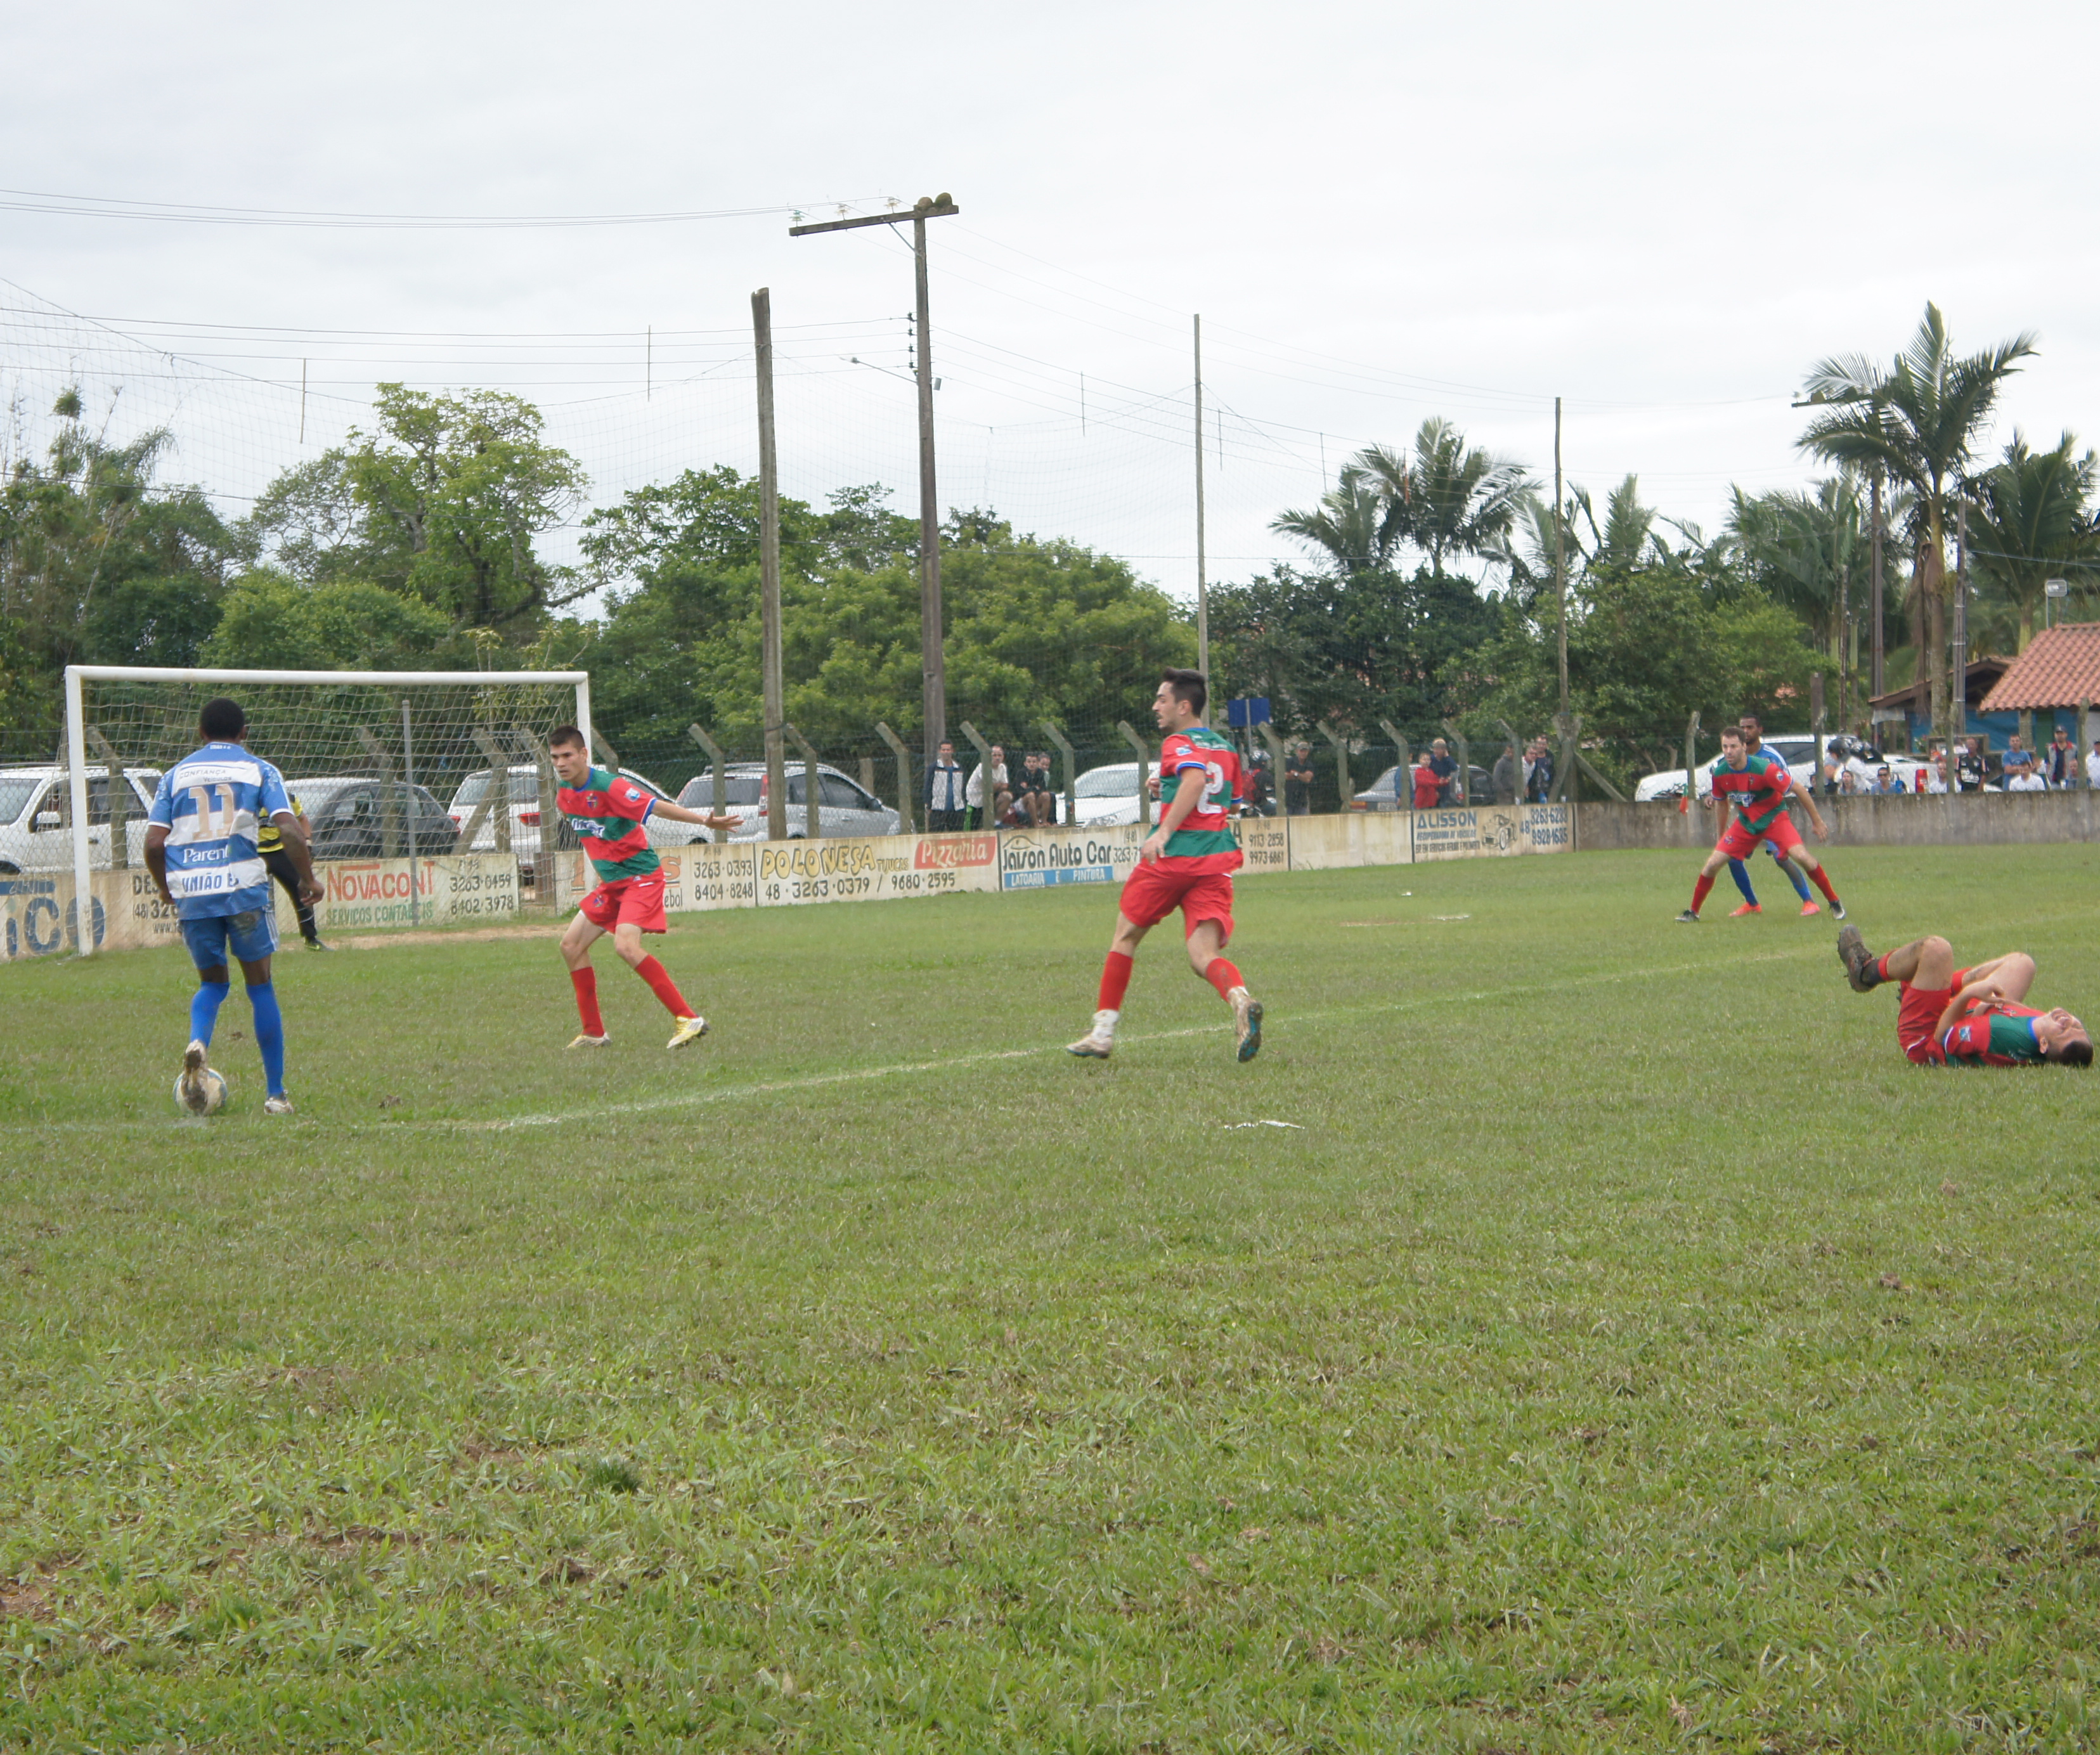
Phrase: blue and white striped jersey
pixel 212 804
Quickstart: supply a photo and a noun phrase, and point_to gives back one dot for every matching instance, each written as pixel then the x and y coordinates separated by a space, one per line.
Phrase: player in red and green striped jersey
pixel 610 815
pixel 1187 863
pixel 1947 1016
pixel 1760 788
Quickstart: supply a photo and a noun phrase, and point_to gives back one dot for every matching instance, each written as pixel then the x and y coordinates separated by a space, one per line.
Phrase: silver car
pixel 525 814
pixel 843 807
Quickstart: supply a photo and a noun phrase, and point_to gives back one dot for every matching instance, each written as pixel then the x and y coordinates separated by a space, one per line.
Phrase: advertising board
pixel 1047 857
pixel 876 868
pixel 369 892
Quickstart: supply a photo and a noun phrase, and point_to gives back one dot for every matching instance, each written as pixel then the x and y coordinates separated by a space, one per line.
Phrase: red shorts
pixel 1151 893
pixel 1741 840
pixel 627 902
pixel 1918 1019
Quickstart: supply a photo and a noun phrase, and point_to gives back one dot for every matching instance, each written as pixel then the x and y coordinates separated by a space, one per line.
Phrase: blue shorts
pixel 250 936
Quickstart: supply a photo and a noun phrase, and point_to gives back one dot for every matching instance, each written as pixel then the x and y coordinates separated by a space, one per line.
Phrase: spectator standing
pixel 1932 777
pixel 2019 760
pixel 944 788
pixel 1538 773
pixel 973 794
pixel 1508 778
pixel 1428 784
pixel 2062 757
pixel 2092 765
pixel 1298 782
pixel 1969 767
pixel 1451 784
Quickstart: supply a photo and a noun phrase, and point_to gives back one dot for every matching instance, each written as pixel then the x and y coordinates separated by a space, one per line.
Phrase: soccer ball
pixel 214 1094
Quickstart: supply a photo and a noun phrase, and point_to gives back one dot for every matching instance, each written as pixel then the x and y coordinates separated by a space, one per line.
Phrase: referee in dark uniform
pixel 270 844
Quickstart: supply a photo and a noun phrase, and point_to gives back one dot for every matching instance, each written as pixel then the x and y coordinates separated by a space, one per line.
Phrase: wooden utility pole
pixel 934 671
pixel 1560 560
pixel 774 694
pixel 1202 593
pixel 1879 685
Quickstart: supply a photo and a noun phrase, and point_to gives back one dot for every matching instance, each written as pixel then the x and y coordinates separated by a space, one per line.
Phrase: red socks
pixel 586 981
pixel 1700 890
pixel 1822 882
pixel 1224 976
pixel 1115 981
pixel 661 984
pixel 1882 968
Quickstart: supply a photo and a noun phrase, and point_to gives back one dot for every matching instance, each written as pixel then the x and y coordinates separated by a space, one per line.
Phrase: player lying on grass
pixel 1753 737
pixel 1760 787
pixel 201 848
pixel 1965 1017
pixel 1187 863
pixel 610 816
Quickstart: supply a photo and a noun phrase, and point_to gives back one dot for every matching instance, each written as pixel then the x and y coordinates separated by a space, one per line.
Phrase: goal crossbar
pixel 76 676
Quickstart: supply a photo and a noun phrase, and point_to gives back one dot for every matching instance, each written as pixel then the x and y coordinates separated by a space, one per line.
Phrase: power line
pixel 189 212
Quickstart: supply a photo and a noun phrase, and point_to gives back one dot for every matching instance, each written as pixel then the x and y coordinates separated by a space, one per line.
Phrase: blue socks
pixel 1741 874
pixel 269 1034
pixel 1794 872
pixel 204 1009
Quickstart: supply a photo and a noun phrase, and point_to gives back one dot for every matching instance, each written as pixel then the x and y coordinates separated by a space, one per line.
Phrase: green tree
pixel 454 491
pixel 2030 521
pixel 1034 629
pixel 268 621
pixel 1808 551
pixel 1918 420
pixel 101 564
pixel 1448 498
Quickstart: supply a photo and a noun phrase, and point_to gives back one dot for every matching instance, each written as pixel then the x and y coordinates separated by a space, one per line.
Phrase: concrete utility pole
pixel 933 685
pixel 1958 703
pixel 1560 560
pixel 1202 593
pixel 1878 684
pixel 774 691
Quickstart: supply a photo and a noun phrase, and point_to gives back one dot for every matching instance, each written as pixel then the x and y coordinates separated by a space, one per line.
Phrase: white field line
pixel 906 1068
pixel 903 1068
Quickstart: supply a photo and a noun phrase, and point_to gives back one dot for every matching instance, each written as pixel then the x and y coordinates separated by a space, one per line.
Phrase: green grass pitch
pixel 1624 1349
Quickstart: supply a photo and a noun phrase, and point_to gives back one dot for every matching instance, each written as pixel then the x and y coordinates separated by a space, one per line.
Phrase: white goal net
pixel 385 765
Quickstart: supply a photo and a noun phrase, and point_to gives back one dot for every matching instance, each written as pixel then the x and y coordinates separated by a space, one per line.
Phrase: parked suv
pixel 36 806
pixel 843 807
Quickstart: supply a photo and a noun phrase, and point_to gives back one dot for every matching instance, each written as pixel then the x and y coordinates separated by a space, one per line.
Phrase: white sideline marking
pixel 698 1099
pixel 902 1069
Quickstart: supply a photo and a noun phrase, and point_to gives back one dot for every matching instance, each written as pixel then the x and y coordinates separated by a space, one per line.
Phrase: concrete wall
pixel 1981 819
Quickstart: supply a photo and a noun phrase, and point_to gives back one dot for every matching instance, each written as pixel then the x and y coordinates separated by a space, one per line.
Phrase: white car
pixel 1798 752
pixel 1104 796
pixel 36 805
pixel 525 813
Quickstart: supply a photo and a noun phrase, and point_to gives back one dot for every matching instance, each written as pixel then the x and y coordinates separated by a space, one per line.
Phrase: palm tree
pixel 2030 521
pixel 1917 421
pixel 1355 526
pixel 1450 499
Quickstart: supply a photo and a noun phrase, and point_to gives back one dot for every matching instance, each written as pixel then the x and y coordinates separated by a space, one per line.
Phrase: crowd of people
pixel 1027 799
pixel 2055 767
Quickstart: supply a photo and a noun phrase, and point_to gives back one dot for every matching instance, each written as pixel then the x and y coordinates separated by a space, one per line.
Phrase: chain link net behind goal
pixel 375 766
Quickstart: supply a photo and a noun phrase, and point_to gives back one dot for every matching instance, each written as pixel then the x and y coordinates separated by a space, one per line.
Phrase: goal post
pixel 409 729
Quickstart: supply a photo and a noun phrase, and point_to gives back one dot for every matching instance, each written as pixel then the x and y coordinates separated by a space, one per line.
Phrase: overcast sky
pixel 1665 213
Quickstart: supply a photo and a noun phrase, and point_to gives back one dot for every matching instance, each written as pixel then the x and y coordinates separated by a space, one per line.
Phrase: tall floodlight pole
pixel 934 671
pixel 1559 559
pixel 770 681
pixel 1202 587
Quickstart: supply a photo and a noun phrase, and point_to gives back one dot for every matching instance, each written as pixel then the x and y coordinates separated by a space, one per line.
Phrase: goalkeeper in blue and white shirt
pixel 200 848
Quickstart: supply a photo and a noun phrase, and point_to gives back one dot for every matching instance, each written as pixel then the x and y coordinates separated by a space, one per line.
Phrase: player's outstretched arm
pixel 678 814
